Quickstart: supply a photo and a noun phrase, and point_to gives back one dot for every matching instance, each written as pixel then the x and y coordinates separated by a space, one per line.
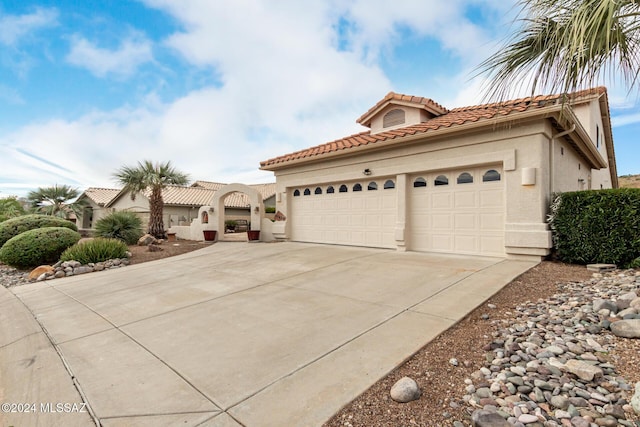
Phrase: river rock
pixel 39 271
pixel 405 390
pixel 485 418
pixel 626 328
pixel 583 370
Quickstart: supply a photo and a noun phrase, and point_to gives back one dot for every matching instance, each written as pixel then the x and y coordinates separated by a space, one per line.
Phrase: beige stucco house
pixel 181 204
pixel 95 200
pixel 475 180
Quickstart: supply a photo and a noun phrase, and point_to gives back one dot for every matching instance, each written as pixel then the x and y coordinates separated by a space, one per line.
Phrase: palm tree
pixel 56 201
pixel 567 45
pixel 153 177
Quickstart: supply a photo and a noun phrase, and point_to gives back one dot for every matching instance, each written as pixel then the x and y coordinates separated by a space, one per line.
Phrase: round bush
pixel 123 225
pixel 14 226
pixel 96 250
pixel 37 247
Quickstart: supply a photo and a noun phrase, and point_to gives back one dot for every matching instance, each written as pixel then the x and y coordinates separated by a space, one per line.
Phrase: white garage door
pixel 458 211
pixel 351 213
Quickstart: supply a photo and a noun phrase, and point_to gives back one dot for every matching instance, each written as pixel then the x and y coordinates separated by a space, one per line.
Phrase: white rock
pixel 405 390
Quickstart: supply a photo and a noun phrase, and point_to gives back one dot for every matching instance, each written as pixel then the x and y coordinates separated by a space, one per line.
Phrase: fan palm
pixel 56 201
pixel 153 177
pixel 568 45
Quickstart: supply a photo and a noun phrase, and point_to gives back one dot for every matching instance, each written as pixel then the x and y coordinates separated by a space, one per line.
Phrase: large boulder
pixel 405 390
pixel 147 240
pixel 626 328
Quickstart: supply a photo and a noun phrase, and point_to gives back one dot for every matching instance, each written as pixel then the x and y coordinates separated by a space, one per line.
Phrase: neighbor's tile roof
pixel 184 196
pixel 101 196
pixel 208 184
pixel 454 117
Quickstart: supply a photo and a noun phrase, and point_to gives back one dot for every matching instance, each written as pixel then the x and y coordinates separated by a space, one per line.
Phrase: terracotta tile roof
pixel 208 185
pixel 426 103
pixel 101 196
pixel 184 196
pixel 452 118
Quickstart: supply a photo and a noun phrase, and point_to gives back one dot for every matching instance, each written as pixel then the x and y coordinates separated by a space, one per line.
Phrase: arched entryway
pixel 256 207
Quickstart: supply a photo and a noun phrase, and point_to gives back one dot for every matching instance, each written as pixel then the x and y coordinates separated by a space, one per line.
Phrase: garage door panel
pixel 491 198
pixel 442 201
pixel 465 199
pixel 442 242
pixel 465 221
pixel 466 244
pixel 492 221
pixel 441 222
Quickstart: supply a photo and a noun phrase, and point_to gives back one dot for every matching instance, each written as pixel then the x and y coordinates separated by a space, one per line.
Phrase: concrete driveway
pixel 237 334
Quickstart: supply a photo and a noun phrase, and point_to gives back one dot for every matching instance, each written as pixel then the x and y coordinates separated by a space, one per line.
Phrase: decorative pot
pixel 209 235
pixel 253 235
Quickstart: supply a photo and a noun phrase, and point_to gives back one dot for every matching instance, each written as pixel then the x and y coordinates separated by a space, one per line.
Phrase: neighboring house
pixel 96 200
pixel 475 180
pixel 181 204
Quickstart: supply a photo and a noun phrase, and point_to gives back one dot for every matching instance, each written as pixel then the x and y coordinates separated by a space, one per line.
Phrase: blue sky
pixel 217 86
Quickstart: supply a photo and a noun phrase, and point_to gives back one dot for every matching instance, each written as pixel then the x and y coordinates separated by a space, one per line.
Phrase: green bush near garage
pixel 601 226
pixel 38 247
pixel 15 226
pixel 96 250
pixel 122 225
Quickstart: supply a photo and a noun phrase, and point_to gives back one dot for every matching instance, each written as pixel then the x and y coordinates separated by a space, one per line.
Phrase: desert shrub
pixel 37 247
pixel 96 250
pixel 14 226
pixel 122 225
pixel 270 209
pixel 597 226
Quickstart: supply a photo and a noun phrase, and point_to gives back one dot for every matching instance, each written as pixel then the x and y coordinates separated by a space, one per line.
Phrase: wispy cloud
pixel 13 28
pixel 122 61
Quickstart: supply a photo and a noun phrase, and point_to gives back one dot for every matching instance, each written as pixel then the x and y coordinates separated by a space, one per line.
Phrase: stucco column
pixel 401 212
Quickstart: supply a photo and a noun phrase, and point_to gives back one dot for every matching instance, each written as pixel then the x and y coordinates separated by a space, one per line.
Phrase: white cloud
pixel 123 61
pixel 15 27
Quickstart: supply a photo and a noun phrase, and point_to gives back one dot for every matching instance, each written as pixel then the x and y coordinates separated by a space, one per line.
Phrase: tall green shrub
pixel 37 247
pixel 597 226
pixel 122 225
pixel 96 250
pixel 14 226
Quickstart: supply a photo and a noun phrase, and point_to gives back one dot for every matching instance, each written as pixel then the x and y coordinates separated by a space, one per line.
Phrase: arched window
pixel 357 187
pixel 372 186
pixel 205 217
pixel 318 190
pixel 389 184
pixel 296 193
pixel 419 182
pixel 491 175
pixel 465 178
pixel 393 118
pixel 330 190
pixel 441 180
pixel 343 189
pixel 307 192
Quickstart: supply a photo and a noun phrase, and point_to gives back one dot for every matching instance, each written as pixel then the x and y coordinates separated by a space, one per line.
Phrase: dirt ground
pixel 442 383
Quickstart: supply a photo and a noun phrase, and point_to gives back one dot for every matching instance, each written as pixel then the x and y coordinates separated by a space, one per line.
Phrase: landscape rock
pixel 626 328
pixel 485 418
pixel 405 390
pixel 635 400
pixel 152 248
pixel 146 240
pixel 40 270
pixel 583 370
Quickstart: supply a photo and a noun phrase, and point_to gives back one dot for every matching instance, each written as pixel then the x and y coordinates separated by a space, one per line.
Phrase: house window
pixel 343 189
pixel 296 193
pixel 597 136
pixel 579 166
pixel 307 192
pixel 491 175
pixel 372 186
pixel 205 217
pixel 562 151
pixel 393 118
pixel 389 184
pixel 318 190
pixel 330 190
pixel 357 187
pixel 465 178
pixel 441 180
pixel 419 182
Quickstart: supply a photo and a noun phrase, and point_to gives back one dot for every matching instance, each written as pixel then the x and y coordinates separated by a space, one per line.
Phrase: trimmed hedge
pixel 37 247
pixel 14 226
pixel 96 250
pixel 601 226
pixel 123 225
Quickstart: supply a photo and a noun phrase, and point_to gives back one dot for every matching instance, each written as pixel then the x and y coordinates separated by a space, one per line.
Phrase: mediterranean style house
pixel 181 204
pixel 474 180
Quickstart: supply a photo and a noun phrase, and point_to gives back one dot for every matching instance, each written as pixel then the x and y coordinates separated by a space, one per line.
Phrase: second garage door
pixel 458 211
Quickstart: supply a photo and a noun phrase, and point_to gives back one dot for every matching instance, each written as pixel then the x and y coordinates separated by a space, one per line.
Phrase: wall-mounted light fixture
pixel 367 172
pixel 256 209
pixel 211 209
